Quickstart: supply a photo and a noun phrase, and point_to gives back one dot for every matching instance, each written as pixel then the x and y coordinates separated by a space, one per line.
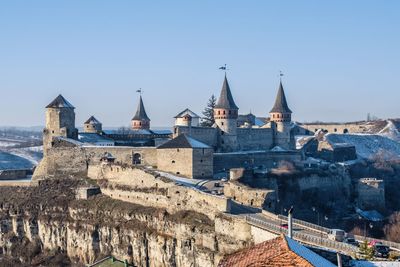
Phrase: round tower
pixel 281 117
pixel 225 116
pixel 92 125
pixel 60 121
pixel 140 121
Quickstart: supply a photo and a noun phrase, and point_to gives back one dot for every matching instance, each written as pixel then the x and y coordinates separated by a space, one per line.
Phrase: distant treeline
pixel 20 134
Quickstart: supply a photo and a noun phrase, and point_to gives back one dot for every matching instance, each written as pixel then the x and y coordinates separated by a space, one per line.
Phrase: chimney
pixel 290 224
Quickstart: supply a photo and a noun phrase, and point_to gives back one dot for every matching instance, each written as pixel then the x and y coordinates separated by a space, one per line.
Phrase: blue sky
pixel 340 58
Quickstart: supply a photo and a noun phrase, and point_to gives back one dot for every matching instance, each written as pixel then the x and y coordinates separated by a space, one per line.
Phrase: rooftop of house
pixel 183 141
pixel 280 251
pixel 187 112
pixel 93 138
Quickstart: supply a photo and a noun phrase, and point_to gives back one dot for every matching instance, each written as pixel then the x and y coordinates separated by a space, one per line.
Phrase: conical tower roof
pixel 92 120
pixel 140 112
pixel 60 102
pixel 280 105
pixel 225 99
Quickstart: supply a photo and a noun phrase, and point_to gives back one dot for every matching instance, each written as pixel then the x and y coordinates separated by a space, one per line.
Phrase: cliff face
pixel 47 225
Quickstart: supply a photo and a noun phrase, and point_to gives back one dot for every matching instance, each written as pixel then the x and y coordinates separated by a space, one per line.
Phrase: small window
pixel 173 161
pixel 178 173
pixel 222 123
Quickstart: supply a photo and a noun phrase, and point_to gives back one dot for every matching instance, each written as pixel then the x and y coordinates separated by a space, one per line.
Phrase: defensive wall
pixel 145 187
pixel 206 135
pixel 351 127
pixel 71 158
pixel 269 159
pixel 255 197
pixel 255 138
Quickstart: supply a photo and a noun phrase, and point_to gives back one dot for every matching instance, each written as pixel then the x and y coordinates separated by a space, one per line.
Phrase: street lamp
pixel 315 210
pixel 365 228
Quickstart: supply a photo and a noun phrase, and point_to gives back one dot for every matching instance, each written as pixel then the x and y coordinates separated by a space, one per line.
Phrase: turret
pixel 281 117
pixel 60 121
pixel 92 125
pixel 140 121
pixel 225 116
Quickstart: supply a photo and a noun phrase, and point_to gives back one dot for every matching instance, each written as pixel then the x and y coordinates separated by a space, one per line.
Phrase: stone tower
pixel 140 121
pixel 92 125
pixel 60 121
pixel 281 117
pixel 225 115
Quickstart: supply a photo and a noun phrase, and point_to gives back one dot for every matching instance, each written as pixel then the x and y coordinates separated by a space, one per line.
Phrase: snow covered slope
pixel 368 145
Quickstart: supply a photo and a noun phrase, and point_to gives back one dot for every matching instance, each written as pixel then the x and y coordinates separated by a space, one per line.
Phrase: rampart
pixel 255 197
pixel 206 135
pixel 255 138
pixel 269 159
pixel 350 127
pixel 75 159
pixel 144 187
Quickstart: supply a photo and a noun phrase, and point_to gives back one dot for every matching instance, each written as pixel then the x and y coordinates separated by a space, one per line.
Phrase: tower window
pixel 224 112
pixel 222 123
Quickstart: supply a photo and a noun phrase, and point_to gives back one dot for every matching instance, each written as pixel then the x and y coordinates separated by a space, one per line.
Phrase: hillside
pixel 368 145
pixel 19 149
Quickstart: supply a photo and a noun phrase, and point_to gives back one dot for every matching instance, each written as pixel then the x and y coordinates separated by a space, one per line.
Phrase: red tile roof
pixel 274 252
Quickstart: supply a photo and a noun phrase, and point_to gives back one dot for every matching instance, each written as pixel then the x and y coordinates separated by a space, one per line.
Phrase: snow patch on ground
pixel 390 131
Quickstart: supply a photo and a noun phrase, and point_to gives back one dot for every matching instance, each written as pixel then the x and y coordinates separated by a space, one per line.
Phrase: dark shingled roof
pixel 60 102
pixel 225 99
pixel 183 141
pixel 92 120
pixel 141 112
pixel 187 111
pixel 281 105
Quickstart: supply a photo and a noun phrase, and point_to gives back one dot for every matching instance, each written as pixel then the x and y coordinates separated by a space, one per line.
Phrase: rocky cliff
pixel 46 225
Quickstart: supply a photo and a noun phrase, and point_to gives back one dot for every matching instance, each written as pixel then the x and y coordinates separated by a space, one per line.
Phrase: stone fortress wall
pixel 138 186
pixel 255 138
pixel 268 159
pixel 75 159
pixel 247 138
pixel 340 128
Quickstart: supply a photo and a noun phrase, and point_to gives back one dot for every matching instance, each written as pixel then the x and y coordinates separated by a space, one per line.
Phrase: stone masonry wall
pixel 136 186
pixel 255 138
pixel 244 159
pixel 255 197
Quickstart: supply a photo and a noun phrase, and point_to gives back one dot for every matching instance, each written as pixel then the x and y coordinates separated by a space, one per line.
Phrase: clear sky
pixel 341 59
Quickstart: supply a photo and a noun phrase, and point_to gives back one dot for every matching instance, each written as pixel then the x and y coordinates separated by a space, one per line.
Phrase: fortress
pixel 190 150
